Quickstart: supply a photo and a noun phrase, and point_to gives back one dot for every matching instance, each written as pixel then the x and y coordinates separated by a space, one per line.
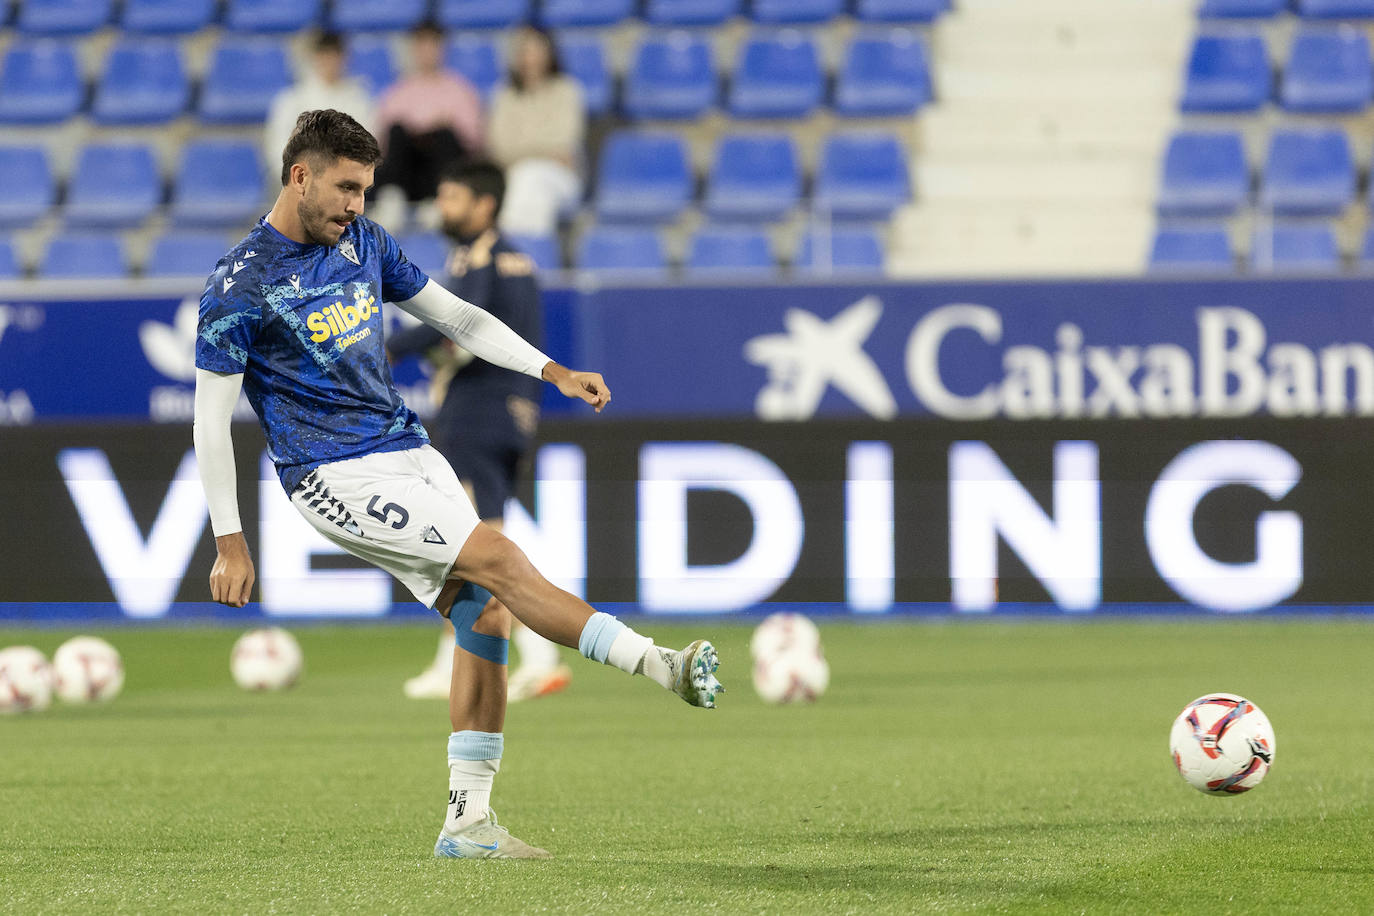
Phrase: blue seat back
pixel 272 15
pixel 1329 70
pixel 185 254
pixel 643 176
pixel 1204 174
pixel 754 176
pixel 63 17
pixel 39 83
pixel 842 249
pixel 83 255
pixel 584 59
pixel 166 17
pixel 113 184
pixel 734 251
pixel 672 77
pixel 1300 247
pixel 244 76
pixel 883 75
pixel 796 11
pixel 559 14
pixel 27 189
pixel 862 175
pixel 621 249
pixel 377 15
pixel 144 83
pixel 1227 72
pixel 900 10
pixel 1192 249
pixel 1308 172
pixel 777 75
pixel 370 60
pixel 691 12
pixel 542 249
pixel 478 59
pixel 482 14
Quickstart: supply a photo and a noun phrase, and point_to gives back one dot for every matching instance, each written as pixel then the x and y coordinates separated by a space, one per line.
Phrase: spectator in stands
pixel 325 86
pixel 427 120
pixel 538 122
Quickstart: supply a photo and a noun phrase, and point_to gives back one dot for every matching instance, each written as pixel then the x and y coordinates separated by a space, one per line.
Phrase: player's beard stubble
pixel 319 226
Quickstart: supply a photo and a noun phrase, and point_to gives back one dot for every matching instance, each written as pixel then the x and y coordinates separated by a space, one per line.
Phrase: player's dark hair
pixel 555 60
pixel 328 40
pixel 483 178
pixel 427 28
pixel 328 135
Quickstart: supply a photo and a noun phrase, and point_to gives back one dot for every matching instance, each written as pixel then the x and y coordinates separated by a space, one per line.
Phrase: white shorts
pixel 403 512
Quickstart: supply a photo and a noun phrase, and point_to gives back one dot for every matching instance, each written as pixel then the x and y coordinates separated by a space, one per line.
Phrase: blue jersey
pixel 303 324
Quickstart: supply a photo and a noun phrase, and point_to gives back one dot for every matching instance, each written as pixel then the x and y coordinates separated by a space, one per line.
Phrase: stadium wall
pixel 948 449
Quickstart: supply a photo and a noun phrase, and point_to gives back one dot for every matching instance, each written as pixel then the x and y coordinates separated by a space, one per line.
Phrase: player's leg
pixel 492 561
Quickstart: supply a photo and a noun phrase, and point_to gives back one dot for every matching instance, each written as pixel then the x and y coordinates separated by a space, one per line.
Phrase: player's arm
pixel 231 578
pixel 488 338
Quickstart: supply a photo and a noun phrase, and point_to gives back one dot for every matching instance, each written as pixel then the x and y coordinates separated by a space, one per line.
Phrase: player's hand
pixel 231 578
pixel 584 386
pixel 479 255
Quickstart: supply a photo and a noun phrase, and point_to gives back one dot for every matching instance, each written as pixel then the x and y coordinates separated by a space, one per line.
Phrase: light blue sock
pixel 598 635
pixel 470 745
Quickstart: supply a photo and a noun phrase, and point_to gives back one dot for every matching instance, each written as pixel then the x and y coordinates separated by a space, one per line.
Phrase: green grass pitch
pixel 998 767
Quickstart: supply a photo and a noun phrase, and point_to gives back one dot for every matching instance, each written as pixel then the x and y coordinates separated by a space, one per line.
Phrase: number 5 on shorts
pixel 383 515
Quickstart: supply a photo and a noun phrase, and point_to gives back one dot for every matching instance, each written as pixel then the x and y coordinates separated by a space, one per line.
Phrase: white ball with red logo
pixel 87 669
pixel 25 680
pixel 784 632
pixel 792 676
pixel 266 659
pixel 1222 744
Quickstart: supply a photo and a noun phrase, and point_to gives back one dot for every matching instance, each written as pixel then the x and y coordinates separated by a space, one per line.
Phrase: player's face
pixel 333 198
pixel 459 210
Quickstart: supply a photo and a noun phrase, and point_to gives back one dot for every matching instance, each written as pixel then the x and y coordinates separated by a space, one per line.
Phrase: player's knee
pixel 495 620
pixel 504 565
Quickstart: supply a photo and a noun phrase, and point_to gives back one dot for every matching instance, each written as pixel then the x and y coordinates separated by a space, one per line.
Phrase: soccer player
pixel 487 419
pixel 291 316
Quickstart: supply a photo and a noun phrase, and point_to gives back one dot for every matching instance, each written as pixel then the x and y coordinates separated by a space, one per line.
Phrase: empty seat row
pixel 1282 247
pixel 777 75
pixel 713 251
pixel 217 183
pixel 72 17
pixel 144 80
pixel 1306 172
pixel 1264 9
pixel 644 176
pixel 1329 70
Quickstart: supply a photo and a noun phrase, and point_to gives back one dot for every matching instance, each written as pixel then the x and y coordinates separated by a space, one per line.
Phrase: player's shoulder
pixel 371 232
pixel 238 271
pixel 509 260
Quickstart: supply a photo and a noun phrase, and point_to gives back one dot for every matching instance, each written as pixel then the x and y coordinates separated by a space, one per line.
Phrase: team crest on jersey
pixel 347 250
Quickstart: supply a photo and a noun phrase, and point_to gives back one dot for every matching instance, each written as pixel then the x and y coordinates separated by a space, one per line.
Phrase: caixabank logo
pixel 345 323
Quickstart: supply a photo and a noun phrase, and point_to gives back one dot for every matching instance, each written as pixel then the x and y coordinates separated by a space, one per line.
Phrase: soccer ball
pixel 266 659
pixel 789 665
pixel 87 669
pixel 783 632
pixel 1222 744
pixel 25 680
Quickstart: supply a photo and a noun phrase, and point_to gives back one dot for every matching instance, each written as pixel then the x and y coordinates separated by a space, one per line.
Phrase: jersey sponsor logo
pixel 228 282
pixel 339 321
pixel 348 251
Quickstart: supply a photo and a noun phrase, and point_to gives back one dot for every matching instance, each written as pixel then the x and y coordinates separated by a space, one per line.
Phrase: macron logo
pixel 249 254
pixel 296 283
pixel 228 282
pixel 238 266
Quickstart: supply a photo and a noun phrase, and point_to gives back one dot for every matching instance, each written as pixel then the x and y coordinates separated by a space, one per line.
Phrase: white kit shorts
pixel 403 512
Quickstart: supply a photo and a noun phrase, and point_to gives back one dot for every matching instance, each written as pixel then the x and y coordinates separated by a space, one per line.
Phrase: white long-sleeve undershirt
pixel 475 330
pixel 216 395
pixel 472 328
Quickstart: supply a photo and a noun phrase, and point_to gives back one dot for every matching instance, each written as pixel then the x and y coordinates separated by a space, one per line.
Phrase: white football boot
pixel 694 673
pixel 486 839
pixel 527 683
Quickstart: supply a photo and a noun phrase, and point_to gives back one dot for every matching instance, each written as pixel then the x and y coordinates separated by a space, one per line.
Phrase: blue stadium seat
pixel 369 59
pixel 776 76
pixel 883 74
pixel 1329 70
pixel 584 59
pixel 558 14
pixel 272 15
pixel 83 255
pixel 482 14
pixel 63 17
pixel 9 264
pixel 1227 72
pixel 672 77
pixel 185 254
pixel 1295 248
pixel 1204 174
pixel 619 249
pixel 218 183
pixel 643 176
pixel 39 83
pixel 754 177
pixel 427 250
pixel 841 250
pixel 166 17
pixel 691 12
pixel 144 83
pixel 244 75
pixel 796 11
pixel 114 185
pixel 1336 9
pixel 543 249
pixel 1241 9
pixel 376 15
pixel 862 175
pixel 27 190
pixel 1308 172
pixel 736 251
pixel 900 10
pixel 478 59
pixel 1192 250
